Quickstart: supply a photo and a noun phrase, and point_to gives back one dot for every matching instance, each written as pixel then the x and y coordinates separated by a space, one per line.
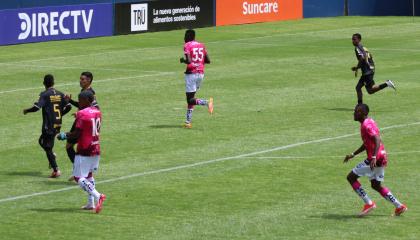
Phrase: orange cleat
pixel 367 208
pixel 211 105
pixel 100 202
pixel 188 125
pixel 400 210
pixel 55 174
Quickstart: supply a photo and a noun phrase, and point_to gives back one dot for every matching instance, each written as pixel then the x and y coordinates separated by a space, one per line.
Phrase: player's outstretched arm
pixel 352 155
pixel 29 110
pixel 66 109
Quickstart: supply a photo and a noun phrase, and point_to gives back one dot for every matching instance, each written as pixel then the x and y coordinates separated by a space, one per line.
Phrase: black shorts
pixel 46 140
pixel 366 80
pixel 73 141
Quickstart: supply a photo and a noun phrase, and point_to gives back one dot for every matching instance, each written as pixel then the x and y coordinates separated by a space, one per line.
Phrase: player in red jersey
pixel 374 166
pixel 86 132
pixel 195 58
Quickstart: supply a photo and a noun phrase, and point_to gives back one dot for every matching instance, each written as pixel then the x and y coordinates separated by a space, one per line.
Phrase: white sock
pixel 91 198
pixel 389 197
pixel 189 115
pixel 89 187
pixel 363 195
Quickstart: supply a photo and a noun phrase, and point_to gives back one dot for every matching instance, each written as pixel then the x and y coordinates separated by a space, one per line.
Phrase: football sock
pixel 51 159
pixel 390 197
pixel 383 85
pixel 201 101
pixel 361 192
pixel 91 198
pixel 189 115
pixel 71 153
pixel 88 187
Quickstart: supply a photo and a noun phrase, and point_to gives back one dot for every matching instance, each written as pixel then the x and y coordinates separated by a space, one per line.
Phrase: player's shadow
pixel 340 109
pixel 59 210
pixel 344 217
pixel 162 126
pixel 56 182
pixel 24 173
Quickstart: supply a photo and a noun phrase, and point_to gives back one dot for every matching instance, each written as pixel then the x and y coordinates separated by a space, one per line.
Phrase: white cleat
pixel 391 84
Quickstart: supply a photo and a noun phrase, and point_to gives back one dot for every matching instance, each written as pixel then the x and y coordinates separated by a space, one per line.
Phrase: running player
pixel 367 66
pixel 195 58
pixel 374 166
pixel 86 79
pixel 86 133
pixel 54 106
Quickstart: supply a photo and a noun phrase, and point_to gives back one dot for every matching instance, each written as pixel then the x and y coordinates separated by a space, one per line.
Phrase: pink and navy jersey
pixel 368 131
pixel 197 51
pixel 88 121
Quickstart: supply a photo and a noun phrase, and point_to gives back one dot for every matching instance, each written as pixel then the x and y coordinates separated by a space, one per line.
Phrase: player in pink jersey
pixel 374 166
pixel 195 58
pixel 86 132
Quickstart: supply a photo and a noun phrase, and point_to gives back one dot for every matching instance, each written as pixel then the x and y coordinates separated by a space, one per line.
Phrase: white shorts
pixel 363 169
pixel 193 81
pixel 83 165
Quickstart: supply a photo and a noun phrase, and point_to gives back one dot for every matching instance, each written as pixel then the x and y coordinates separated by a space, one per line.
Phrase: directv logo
pixel 139 17
pixel 53 23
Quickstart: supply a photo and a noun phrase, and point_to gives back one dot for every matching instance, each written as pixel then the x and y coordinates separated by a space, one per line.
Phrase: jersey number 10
pixel 198 54
pixel 96 126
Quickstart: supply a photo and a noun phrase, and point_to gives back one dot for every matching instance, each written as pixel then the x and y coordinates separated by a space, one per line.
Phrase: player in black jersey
pixel 367 66
pixel 86 79
pixel 54 106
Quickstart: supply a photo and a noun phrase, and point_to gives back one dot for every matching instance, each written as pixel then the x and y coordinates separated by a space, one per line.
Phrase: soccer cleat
pixel 367 208
pixel 88 207
pixel 391 84
pixel 400 210
pixel 211 105
pixel 100 202
pixel 188 125
pixel 55 174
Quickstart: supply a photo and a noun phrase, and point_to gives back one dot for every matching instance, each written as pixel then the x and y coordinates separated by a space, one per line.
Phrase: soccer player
pixel 86 162
pixel 54 106
pixel 374 166
pixel 367 66
pixel 86 79
pixel 196 57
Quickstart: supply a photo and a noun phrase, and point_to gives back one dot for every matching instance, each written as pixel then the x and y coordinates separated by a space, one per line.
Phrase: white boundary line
pixel 96 81
pixel 319 156
pixel 171 169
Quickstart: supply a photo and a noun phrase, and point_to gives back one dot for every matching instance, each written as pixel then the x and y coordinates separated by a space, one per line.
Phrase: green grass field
pixel 256 169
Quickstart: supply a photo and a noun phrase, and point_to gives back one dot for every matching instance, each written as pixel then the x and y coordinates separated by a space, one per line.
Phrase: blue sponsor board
pixel 55 23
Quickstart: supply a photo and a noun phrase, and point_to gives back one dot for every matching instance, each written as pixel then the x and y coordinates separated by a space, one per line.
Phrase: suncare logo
pixel 139 17
pixel 54 23
pixel 260 8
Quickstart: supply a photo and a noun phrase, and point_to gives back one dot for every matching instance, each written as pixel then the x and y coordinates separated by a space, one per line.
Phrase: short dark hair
pixel 87 95
pixel 48 80
pixel 364 107
pixel 88 75
pixel 189 35
pixel 358 36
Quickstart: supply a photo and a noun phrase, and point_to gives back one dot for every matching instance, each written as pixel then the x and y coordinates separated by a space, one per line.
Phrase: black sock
pixel 359 101
pixel 383 85
pixel 51 159
pixel 71 153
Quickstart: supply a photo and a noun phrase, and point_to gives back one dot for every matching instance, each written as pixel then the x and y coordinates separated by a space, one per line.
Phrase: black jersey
pixel 365 59
pixel 52 103
pixel 94 103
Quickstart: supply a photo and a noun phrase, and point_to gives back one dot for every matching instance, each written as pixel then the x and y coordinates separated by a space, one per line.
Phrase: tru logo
pixel 139 15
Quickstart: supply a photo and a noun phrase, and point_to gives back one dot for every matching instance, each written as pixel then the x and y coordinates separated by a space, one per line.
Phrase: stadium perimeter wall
pixel 23 21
